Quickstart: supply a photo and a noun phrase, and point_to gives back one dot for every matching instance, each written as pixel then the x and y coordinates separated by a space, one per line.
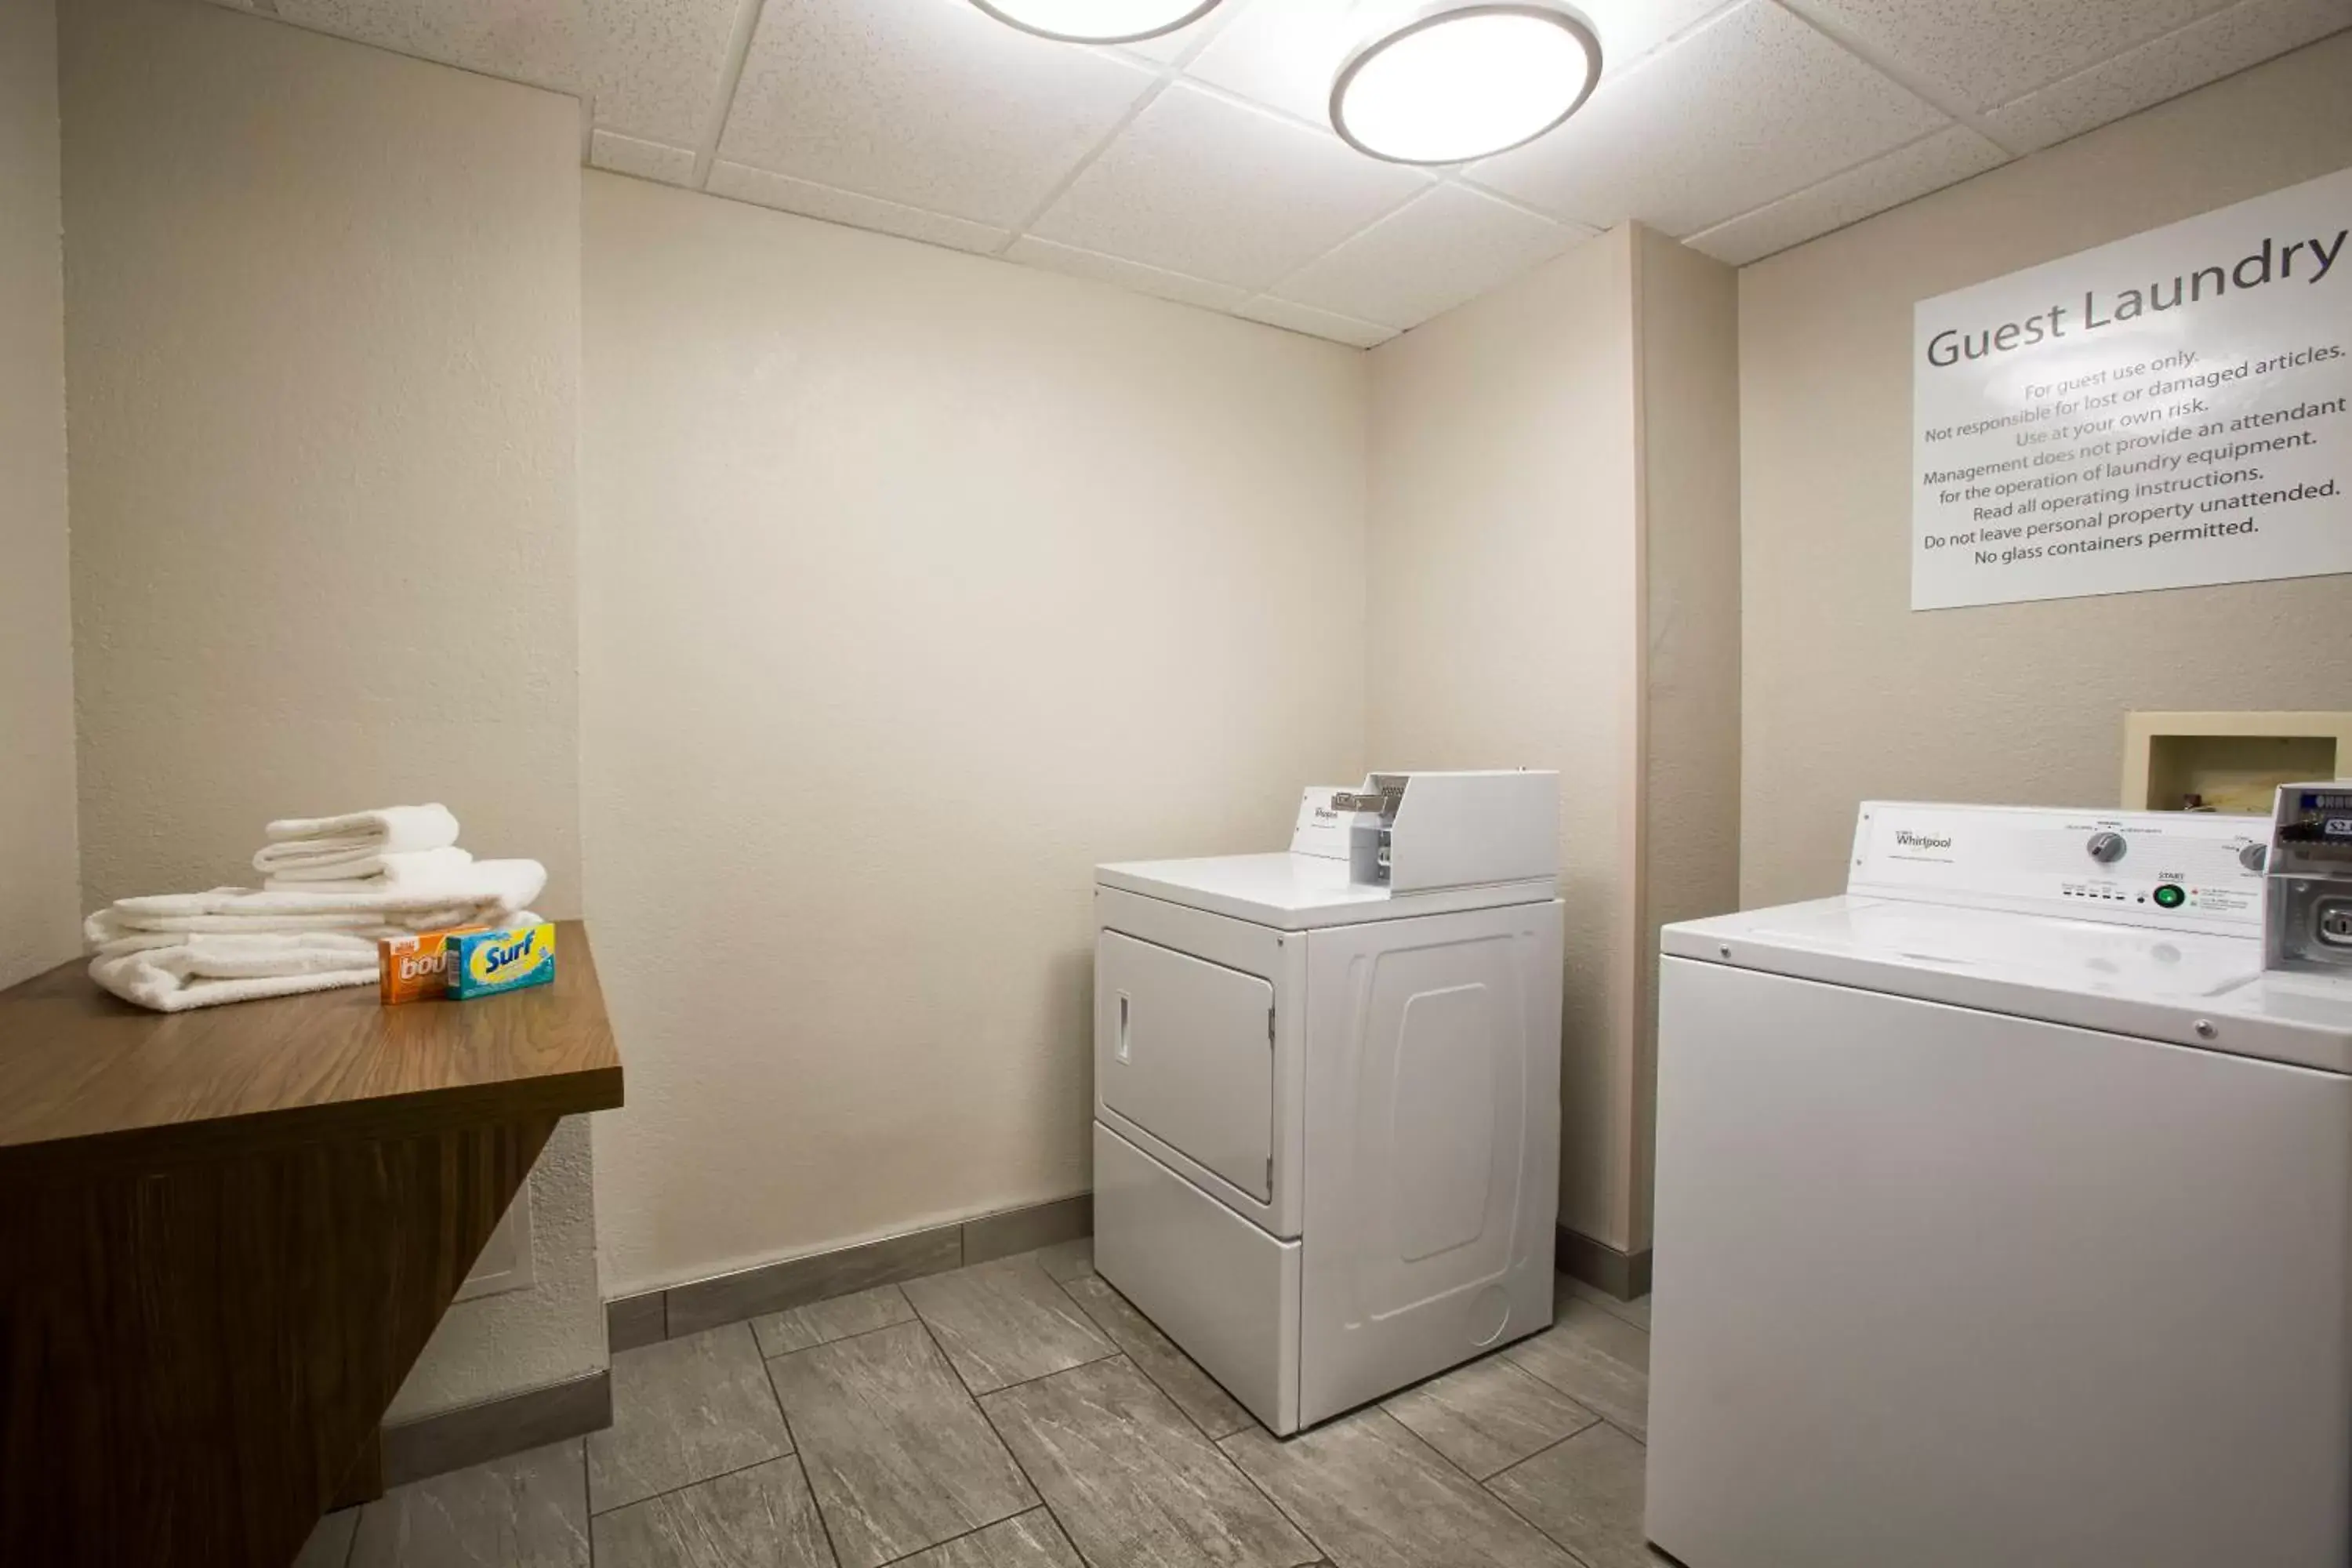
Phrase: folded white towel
pixel 370 873
pixel 173 972
pixel 314 841
pixel 482 892
pixel 141 979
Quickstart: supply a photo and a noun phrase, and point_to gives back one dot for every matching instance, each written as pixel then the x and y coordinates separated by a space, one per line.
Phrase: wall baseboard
pixel 496 1427
pixel 1625 1275
pixel 746 1293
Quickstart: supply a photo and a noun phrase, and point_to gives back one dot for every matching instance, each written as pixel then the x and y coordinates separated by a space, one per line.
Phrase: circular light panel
pixel 1465 81
pixel 1098 21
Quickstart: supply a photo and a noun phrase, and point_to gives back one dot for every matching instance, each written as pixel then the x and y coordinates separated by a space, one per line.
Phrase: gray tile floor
pixel 1019 1414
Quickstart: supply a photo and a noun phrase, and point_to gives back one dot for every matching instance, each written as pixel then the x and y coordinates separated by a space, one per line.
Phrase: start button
pixel 2171 896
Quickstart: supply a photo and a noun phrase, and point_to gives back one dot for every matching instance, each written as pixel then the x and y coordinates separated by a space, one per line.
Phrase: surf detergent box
pixel 485 962
pixel 416 968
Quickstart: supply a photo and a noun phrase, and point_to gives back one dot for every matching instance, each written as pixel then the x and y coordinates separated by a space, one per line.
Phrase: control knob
pixel 2254 857
pixel 2106 848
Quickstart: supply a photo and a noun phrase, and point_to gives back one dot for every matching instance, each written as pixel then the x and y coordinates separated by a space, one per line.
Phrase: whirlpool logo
pixel 1910 840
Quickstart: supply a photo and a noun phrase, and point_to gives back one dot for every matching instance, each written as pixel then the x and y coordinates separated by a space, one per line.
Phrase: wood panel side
pixel 197 1357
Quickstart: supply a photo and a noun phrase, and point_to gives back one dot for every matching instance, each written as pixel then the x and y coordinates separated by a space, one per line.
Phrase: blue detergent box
pixel 485 962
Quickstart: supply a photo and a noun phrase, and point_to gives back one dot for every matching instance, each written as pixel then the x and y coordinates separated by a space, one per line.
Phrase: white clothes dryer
pixel 1326 1112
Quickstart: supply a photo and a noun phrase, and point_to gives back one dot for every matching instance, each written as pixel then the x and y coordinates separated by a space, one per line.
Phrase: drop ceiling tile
pixel 1170 48
pixel 1429 255
pixel 1033 252
pixel 1989 51
pixel 1943 158
pixel 1630 29
pixel 1315 323
pixel 2205 50
pixel 1211 188
pixel 788 194
pixel 655 67
pixel 923 103
pixel 649 70
pixel 1752 107
pixel 522 41
pixel 646 160
pixel 1280 53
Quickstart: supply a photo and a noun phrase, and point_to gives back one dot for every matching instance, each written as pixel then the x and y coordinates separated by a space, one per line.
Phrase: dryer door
pixel 1433 1126
pixel 1184 1049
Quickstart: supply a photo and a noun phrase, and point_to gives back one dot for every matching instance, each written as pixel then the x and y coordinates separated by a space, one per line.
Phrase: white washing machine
pixel 1327 1106
pixel 2004 1211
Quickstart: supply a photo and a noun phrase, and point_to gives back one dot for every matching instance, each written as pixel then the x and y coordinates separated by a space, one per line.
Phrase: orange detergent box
pixel 417 968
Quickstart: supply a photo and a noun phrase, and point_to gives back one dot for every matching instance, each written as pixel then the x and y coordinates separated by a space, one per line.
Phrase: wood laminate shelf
pixel 85 1077
pixel 227 1235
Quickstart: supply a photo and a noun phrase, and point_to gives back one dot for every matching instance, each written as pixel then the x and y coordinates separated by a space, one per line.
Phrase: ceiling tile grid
pixel 2214 46
pixel 1940 158
pixel 1212 187
pixel 1198 166
pixel 1752 107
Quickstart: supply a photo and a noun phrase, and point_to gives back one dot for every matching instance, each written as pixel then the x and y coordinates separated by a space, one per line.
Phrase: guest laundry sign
pixel 2166 410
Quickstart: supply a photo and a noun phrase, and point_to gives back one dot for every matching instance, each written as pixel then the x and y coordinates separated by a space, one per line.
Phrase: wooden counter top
pixel 231 1232
pixel 87 1080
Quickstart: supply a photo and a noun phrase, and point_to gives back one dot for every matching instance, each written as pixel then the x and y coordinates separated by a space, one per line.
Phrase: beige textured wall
pixel 39 895
pixel 1848 694
pixel 322 351
pixel 1686 318
pixel 322 364
pixel 913 585
pixel 1504 573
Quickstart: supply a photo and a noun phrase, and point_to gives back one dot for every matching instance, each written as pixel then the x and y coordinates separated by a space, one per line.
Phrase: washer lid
pixel 1298 892
pixel 2183 986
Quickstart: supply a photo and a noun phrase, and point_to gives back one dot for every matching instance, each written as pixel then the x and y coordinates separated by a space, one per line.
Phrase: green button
pixel 2171 896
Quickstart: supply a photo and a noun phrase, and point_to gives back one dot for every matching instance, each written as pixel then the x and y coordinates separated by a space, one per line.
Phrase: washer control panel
pixel 2307 918
pixel 2193 870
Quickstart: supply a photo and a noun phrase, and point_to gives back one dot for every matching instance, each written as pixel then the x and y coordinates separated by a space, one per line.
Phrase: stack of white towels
pixel 331 886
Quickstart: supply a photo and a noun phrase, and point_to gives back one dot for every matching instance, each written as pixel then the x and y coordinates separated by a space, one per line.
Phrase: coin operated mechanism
pixel 1417 832
pixel 2307 905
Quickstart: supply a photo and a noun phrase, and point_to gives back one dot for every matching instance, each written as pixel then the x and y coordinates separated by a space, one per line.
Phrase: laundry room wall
pixel 1848 694
pixel 1504 567
pixel 1686 324
pixel 914 584
pixel 323 352
pixel 322 370
pixel 1554 581
pixel 40 922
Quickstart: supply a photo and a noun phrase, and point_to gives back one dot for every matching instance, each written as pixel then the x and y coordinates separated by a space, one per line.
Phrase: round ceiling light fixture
pixel 1098 21
pixel 1457 81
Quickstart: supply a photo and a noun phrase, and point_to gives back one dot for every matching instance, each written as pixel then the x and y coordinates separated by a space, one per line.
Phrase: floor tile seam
pixel 1215 1447
pixel 828 1344
pixel 974 1400
pixel 808 1306
pixel 1571 1392
pixel 1059 1522
pixel 825 1525
pixel 1323 1552
pixel 596 1513
pixel 1084 1318
pixel 1041 1505
pixel 1111 1354
pixel 1505 1502
pixel 1104 1328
